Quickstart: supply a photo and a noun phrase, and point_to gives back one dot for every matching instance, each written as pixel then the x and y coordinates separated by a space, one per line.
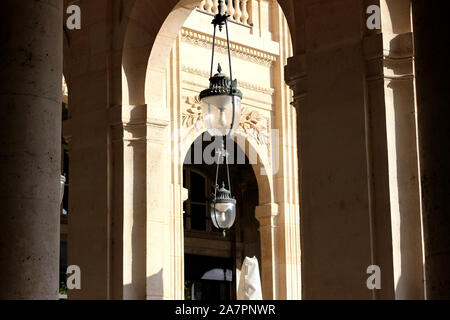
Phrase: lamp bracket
pixel 220 18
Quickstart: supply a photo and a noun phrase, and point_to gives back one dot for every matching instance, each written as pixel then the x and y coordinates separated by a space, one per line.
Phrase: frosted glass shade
pixel 218 113
pixel 223 214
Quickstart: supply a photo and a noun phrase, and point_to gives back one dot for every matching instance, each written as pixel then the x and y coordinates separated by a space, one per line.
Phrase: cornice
pixel 240 51
pixel 242 84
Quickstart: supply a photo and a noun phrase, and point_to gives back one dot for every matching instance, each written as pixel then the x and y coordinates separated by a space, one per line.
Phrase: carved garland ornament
pixel 252 123
pixel 255 125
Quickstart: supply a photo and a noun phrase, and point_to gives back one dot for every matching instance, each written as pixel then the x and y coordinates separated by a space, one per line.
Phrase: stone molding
pixel 266 214
pixel 240 51
pixel 398 57
pixel 387 63
pixel 132 123
pixel 296 78
pixel 242 84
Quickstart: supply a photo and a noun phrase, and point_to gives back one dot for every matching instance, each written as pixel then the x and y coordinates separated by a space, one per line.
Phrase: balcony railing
pixel 238 10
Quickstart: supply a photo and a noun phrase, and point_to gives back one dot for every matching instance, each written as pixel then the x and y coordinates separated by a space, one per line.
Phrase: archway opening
pixel 212 262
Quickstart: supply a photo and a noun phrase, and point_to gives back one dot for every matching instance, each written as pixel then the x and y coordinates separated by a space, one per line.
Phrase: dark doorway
pixel 208 278
pixel 212 260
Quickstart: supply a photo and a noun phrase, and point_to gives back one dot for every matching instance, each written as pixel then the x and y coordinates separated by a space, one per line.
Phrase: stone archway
pixel 265 212
pixel 152 111
pixel 244 238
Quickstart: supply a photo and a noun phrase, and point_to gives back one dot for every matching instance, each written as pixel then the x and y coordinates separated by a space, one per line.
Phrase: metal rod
pixel 217 172
pixel 231 79
pixel 229 51
pixel 216 186
pixel 220 7
pixel 213 49
pixel 226 163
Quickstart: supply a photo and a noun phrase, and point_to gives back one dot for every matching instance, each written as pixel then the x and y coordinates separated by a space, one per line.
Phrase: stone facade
pixel 361 178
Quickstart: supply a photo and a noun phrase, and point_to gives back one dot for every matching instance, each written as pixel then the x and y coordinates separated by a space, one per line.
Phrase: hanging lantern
pixel 223 205
pixel 221 102
pixel 221 108
pixel 221 105
pixel 223 209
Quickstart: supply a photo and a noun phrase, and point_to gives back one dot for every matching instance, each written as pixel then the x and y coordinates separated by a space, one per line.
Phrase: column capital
pixel 266 213
pixel 296 77
pixel 137 122
pixel 373 56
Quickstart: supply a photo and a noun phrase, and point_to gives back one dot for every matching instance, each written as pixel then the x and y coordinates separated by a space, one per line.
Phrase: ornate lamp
pixel 223 210
pixel 221 102
pixel 223 205
pixel 221 106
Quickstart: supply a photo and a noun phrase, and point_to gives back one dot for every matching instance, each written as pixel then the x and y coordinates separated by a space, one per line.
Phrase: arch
pixel 150 31
pixel 396 16
pixel 250 202
pixel 146 48
pixel 260 164
pixel 146 44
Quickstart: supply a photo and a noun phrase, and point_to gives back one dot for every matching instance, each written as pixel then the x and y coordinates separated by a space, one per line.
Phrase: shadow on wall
pixel 137 291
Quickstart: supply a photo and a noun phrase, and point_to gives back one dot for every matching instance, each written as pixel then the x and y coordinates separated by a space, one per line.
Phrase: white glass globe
pixel 218 114
pixel 223 214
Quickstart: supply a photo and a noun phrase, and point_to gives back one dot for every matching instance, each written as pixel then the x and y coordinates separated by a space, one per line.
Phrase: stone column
pixel 129 158
pixel 266 215
pixel 430 26
pixel 30 148
pixel 399 94
pixel 343 168
pixel 158 245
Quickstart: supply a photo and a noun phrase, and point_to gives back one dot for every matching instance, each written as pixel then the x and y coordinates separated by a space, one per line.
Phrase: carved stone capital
pixel 398 57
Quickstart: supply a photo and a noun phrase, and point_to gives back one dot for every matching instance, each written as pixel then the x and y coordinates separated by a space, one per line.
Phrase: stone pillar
pixel 30 148
pixel 266 215
pixel 399 92
pixel 343 168
pixel 159 254
pixel 286 174
pixel 129 156
pixel 430 26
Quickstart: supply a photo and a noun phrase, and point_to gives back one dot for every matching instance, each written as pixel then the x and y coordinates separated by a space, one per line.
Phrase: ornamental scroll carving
pixel 252 123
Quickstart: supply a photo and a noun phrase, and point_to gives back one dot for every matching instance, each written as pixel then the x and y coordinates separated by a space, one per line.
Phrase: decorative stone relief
pixel 193 114
pixel 253 124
